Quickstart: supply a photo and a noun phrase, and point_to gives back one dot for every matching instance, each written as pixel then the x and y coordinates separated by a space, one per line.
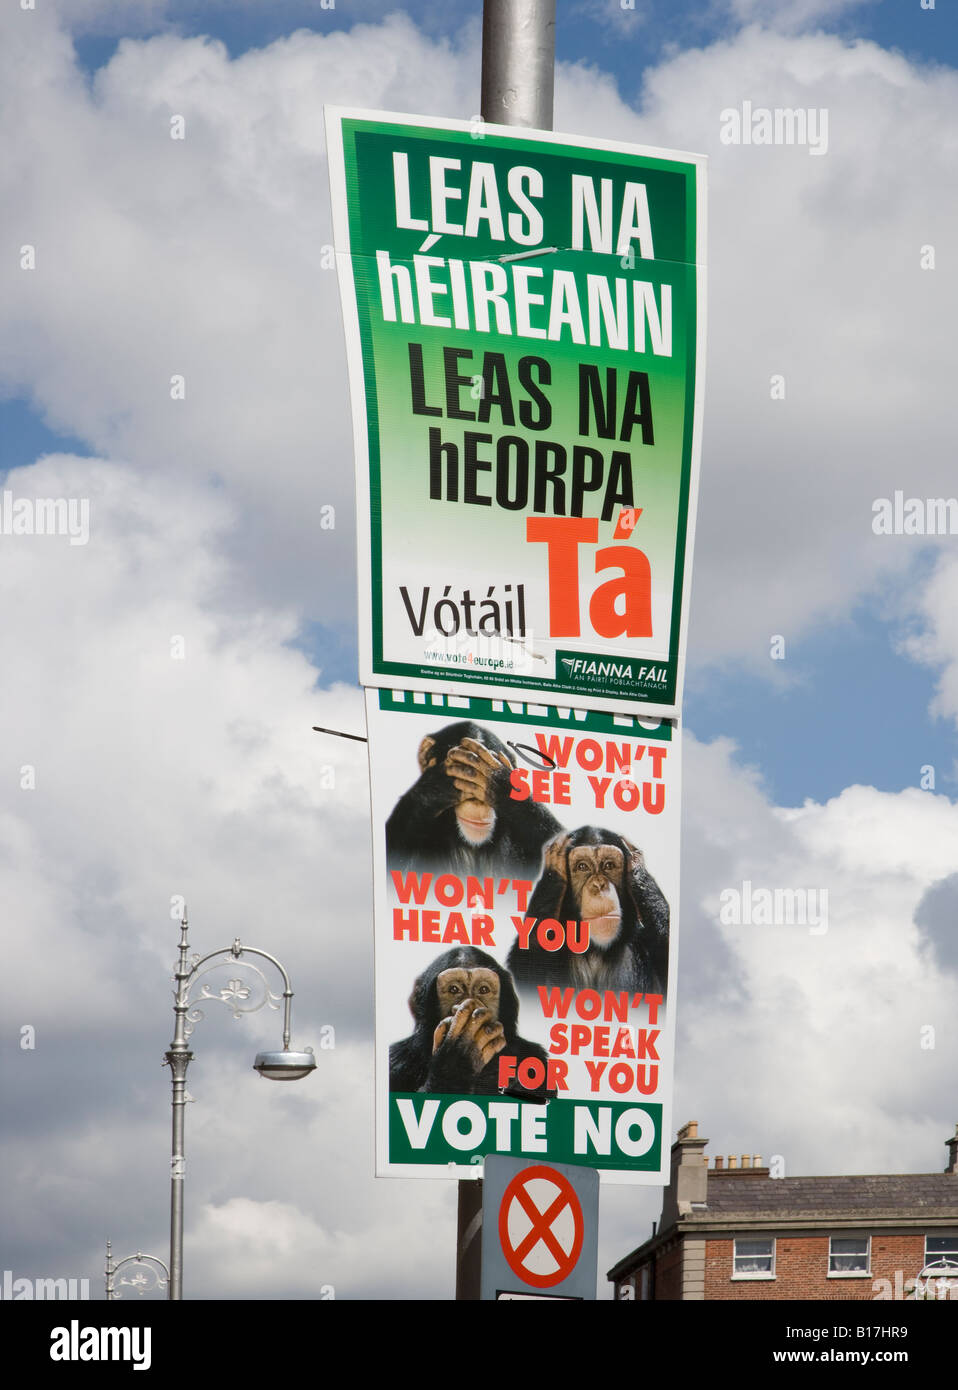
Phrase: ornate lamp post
pixel 152 1274
pixel 241 998
pixel 937 1280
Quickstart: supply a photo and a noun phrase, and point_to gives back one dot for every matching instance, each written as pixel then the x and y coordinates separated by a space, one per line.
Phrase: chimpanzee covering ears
pixel 596 878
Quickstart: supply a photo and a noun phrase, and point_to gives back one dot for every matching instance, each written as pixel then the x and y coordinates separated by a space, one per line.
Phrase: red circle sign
pixel 541 1226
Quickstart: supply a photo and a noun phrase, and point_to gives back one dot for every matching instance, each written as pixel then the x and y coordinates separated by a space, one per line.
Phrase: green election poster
pixel 525 325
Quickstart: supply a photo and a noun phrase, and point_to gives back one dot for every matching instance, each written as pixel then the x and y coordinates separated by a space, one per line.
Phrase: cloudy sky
pixel 158 683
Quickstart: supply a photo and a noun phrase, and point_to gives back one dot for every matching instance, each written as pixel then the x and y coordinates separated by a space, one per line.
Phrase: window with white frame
pixel 942 1249
pixel 754 1258
pixel 849 1255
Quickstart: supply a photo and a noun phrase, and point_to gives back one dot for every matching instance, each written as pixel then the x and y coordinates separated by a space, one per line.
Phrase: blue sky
pixel 588 30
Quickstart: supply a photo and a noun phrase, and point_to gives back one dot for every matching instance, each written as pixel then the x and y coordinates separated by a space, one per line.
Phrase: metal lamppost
pixel 284 1065
pixel 518 62
pixel 517 85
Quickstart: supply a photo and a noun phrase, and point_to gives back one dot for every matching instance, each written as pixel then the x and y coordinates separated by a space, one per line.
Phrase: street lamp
pixel 152 1274
pixel 240 997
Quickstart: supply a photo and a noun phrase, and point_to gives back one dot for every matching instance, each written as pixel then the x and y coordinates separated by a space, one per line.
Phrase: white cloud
pixel 154 774
pixel 812 1040
pixel 342 1229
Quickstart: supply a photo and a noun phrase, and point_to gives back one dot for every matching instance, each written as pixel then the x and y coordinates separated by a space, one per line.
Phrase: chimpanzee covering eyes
pixel 596 877
pixel 466 1013
pixel 460 818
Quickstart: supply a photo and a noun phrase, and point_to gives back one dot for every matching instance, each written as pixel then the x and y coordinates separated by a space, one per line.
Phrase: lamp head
pixel 285 1065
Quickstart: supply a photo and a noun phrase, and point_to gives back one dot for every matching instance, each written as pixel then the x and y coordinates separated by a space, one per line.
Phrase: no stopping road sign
pixel 539 1229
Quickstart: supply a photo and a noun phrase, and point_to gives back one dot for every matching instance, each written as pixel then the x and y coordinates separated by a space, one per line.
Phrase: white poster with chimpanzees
pixel 526 862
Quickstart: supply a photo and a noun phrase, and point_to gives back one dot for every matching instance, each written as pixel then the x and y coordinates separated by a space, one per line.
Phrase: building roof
pixel 872 1197
pixel 740 1200
pixel 702 1200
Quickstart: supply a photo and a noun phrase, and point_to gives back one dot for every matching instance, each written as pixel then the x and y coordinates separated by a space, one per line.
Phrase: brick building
pixel 733 1231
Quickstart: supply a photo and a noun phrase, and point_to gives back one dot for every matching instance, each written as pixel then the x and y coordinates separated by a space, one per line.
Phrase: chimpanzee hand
pixel 464 1045
pixel 478 774
pixel 554 856
pixel 636 864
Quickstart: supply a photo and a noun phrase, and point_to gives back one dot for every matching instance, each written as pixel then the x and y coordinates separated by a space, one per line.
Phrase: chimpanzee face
pixel 595 875
pixel 479 985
